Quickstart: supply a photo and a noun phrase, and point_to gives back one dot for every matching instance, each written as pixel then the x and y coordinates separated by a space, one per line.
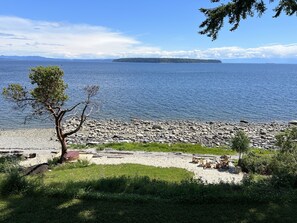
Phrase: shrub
pixel 13 183
pixel 284 164
pixel 257 163
pixel 53 162
pixel 7 163
pixel 284 168
pixel 287 141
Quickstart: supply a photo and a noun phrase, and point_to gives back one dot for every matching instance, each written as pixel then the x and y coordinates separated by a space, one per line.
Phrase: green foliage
pixel 284 163
pixel 53 162
pixel 287 141
pixel 49 91
pixel 7 163
pixel 240 143
pixel 284 167
pixel 13 183
pixel 257 163
pixel 14 92
pixel 50 87
pixel 237 10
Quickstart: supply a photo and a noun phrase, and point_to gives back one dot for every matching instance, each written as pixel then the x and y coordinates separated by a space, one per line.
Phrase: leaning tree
pixel 48 97
pixel 237 10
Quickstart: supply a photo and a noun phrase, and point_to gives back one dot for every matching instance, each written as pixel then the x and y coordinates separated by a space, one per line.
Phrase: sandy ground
pixel 28 139
pixel 42 142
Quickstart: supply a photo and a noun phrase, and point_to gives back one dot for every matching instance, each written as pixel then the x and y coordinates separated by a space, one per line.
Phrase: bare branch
pixel 82 120
pixel 75 106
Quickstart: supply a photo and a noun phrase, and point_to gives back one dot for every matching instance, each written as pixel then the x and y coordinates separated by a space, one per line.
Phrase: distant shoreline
pixel 165 60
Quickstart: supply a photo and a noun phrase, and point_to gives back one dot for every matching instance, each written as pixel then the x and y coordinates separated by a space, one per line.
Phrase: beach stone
pixel 159 127
pixel 32 155
pixel 206 133
pixel 36 169
pixel 293 122
pixel 92 143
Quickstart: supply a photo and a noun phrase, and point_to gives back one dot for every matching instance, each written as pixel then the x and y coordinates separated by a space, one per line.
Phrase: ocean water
pixel 202 92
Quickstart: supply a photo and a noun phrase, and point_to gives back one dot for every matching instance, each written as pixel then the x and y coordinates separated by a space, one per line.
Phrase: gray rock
pixel 293 122
pixel 209 134
pixel 157 127
pixel 36 169
pixel 92 143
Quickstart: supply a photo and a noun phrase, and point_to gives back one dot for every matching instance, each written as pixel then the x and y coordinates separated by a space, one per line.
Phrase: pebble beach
pixel 43 142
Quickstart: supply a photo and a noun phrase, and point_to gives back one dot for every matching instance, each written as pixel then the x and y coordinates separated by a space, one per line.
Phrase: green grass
pixel 162 147
pixel 176 147
pixel 23 209
pixel 137 193
pixel 96 172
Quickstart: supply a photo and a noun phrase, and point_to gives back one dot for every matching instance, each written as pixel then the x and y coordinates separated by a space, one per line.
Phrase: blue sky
pixel 154 28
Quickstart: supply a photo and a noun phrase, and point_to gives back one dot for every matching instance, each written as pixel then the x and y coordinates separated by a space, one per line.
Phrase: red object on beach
pixel 71 155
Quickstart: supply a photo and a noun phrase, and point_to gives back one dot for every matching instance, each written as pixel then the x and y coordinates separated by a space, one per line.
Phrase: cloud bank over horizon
pixel 24 37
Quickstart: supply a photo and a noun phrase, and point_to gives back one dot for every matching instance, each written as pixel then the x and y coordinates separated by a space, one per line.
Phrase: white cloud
pixel 19 36
pixel 27 37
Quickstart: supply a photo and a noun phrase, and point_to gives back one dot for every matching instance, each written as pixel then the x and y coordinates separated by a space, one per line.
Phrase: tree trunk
pixel 239 160
pixel 63 150
pixel 61 138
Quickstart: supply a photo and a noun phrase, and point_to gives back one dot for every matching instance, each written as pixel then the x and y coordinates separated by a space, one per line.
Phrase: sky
pixel 97 29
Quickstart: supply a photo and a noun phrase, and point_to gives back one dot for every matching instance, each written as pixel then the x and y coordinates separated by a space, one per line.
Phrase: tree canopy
pixel 240 143
pixel 287 140
pixel 237 10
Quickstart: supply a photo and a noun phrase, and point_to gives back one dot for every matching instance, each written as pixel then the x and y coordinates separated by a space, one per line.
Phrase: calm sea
pixel 224 92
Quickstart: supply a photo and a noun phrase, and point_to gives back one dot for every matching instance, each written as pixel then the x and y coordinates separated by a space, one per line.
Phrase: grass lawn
pixel 138 193
pixel 164 147
pixel 96 172
pixel 23 209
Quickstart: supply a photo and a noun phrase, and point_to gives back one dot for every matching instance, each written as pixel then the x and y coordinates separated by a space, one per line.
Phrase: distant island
pixel 166 60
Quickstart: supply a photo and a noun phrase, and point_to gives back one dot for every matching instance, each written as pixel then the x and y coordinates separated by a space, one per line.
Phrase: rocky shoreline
pixel 212 134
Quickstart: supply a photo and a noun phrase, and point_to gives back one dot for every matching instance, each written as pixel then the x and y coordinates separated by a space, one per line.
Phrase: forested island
pixel 166 60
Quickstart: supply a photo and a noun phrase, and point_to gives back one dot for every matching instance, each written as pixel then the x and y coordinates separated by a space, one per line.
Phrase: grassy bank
pixel 164 147
pixel 136 193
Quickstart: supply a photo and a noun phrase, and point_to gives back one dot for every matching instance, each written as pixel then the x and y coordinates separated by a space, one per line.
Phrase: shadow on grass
pixel 141 199
pixel 44 209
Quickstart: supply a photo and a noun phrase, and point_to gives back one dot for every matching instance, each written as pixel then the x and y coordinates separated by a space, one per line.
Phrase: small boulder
pixel 36 169
pixel 293 122
pixel 157 127
pixel 32 155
